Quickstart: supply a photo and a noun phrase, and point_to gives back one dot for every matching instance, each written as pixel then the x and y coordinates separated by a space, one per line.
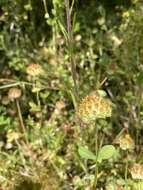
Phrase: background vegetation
pixel 107 48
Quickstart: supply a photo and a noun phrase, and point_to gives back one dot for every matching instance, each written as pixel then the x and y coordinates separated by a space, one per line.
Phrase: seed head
pixel 60 105
pixel 93 107
pixel 34 70
pixel 5 100
pixel 125 142
pixel 137 171
pixel 14 93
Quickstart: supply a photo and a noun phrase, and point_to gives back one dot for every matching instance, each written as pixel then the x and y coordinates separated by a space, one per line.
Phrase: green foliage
pixel 85 153
pixel 108 51
pixel 106 152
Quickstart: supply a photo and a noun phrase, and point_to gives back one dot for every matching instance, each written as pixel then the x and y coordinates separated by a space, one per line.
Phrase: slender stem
pixel 54 26
pixel 38 99
pixel 137 136
pixel 20 115
pixel 70 44
pixel 45 6
pixel 21 119
pixel 12 83
pixel 9 85
pixel 126 172
pixel 96 169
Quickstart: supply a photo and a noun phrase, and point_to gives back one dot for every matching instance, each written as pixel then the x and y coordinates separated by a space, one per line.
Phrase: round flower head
pixel 34 70
pixel 137 171
pixel 125 142
pixel 14 93
pixel 93 107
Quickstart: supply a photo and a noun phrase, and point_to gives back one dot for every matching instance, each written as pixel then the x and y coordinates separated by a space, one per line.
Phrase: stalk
pixel 21 120
pixel 96 169
pixel 126 173
pixel 70 44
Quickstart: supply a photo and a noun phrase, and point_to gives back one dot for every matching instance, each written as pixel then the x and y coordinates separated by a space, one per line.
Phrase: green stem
pixel 126 173
pixel 70 44
pixel 38 99
pixel 96 169
pixel 137 136
pixel 45 6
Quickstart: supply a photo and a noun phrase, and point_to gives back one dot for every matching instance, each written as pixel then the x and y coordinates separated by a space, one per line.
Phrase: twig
pixel 12 83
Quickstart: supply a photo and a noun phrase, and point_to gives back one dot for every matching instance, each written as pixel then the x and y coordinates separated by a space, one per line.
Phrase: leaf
pixel 36 89
pixel 102 93
pixel 4 120
pixel 73 99
pixel 140 78
pixel 85 153
pixel 34 107
pixel 63 30
pixel 106 152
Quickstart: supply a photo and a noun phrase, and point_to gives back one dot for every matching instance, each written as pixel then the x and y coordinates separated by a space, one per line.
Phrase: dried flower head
pixel 125 142
pixel 14 93
pixel 5 100
pixel 137 171
pixel 12 136
pixel 34 70
pixel 93 107
pixel 113 186
pixel 60 105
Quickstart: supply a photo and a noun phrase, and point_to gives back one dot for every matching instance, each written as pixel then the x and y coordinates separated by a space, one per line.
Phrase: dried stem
pixel 11 83
pixel 71 48
pixel 21 119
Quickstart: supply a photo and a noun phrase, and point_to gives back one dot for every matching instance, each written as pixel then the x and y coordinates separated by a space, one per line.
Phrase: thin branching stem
pixel 70 44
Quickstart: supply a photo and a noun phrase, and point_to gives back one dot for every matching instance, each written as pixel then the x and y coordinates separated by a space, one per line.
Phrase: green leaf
pixel 85 153
pixel 63 30
pixel 28 7
pixel 4 120
pixel 106 152
pixel 102 93
pixel 140 78
pixel 34 107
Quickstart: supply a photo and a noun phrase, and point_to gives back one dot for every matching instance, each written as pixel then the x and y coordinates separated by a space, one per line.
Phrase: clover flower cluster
pixel 34 70
pixel 137 171
pixel 93 107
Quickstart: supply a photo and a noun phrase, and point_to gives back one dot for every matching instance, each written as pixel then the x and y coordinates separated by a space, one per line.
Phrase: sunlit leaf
pixel 85 153
pixel 106 152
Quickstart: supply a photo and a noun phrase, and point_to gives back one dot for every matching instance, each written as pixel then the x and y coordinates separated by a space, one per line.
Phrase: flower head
pixel 14 93
pixel 93 107
pixel 34 70
pixel 125 142
pixel 137 171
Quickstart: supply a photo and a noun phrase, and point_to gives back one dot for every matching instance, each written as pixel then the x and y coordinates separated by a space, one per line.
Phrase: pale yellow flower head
pixel 14 93
pixel 93 107
pixel 34 70
pixel 125 142
pixel 137 171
